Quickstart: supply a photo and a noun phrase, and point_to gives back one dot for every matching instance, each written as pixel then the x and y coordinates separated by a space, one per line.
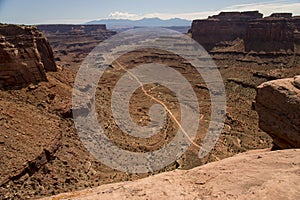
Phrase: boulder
pixel 278 107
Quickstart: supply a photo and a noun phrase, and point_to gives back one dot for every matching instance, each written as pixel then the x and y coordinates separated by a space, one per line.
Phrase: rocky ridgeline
pixel 71 28
pixel 25 56
pixel 71 31
pixel 278 32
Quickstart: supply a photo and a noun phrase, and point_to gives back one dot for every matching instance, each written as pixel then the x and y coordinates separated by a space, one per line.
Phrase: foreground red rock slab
pixel 256 174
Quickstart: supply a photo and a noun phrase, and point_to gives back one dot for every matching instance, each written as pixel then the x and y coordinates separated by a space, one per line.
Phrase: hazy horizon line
pixel 266 8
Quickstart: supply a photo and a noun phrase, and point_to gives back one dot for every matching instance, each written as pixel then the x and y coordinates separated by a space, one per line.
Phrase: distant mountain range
pixel 127 23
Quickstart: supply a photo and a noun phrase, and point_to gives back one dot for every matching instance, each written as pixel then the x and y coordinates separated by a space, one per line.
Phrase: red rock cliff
pixel 223 27
pixel 276 33
pixel 25 56
pixel 270 34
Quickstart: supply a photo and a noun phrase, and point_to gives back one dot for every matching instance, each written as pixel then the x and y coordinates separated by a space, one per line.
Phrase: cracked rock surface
pixel 258 174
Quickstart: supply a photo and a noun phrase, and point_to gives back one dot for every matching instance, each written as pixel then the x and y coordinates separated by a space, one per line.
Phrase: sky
pixel 81 11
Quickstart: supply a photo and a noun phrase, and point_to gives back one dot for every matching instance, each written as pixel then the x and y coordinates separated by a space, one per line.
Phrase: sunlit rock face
pixel 25 56
pixel 278 107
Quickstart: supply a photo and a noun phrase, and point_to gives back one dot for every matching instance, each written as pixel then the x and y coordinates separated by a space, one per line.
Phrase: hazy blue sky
pixel 80 11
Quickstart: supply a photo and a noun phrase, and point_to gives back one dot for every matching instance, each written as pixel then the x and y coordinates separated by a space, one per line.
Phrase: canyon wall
pixel 25 56
pixel 223 27
pixel 275 33
pixel 72 43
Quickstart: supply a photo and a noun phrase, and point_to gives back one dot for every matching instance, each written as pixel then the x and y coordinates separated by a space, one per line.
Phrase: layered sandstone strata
pixel 271 34
pixel 223 27
pixel 274 34
pixel 72 43
pixel 25 56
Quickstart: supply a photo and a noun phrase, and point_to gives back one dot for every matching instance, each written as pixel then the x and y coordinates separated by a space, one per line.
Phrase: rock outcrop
pixel 25 56
pixel 278 106
pixel 251 175
pixel 276 33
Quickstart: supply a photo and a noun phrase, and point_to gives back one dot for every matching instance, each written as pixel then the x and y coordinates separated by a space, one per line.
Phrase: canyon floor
pixel 42 155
